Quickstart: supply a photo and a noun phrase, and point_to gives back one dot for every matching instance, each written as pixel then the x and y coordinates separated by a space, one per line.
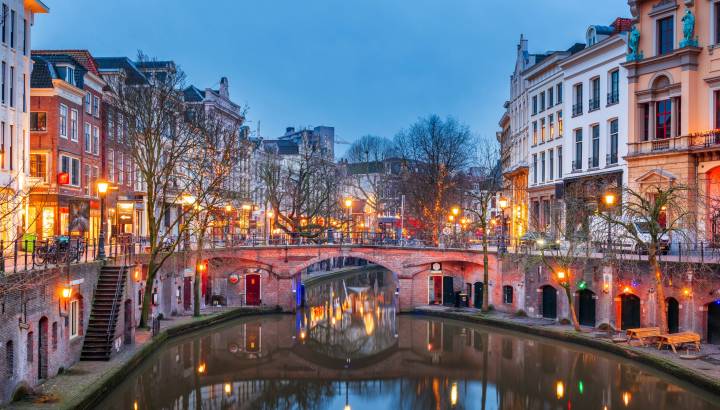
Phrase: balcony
pixel 577 109
pixel 613 98
pixel 697 141
pixel 594 104
pixel 576 166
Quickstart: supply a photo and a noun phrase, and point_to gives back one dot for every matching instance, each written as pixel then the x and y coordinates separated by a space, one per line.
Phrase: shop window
pixel 507 294
pixel 38 121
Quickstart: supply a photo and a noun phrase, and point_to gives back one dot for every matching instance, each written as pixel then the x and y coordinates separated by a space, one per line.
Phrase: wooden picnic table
pixel 679 339
pixel 642 334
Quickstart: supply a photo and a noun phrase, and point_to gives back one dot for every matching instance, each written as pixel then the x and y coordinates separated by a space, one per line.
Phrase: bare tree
pixel 435 152
pixel 485 181
pixel 302 189
pixel 648 219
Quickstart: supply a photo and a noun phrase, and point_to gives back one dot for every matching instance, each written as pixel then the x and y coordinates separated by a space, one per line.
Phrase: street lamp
pixel 609 200
pixel 102 187
pixel 502 203
pixel 348 205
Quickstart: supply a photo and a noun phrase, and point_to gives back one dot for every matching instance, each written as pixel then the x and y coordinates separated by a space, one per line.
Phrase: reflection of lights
pixel 581 387
pixel 453 394
pixel 626 398
pixel 347 407
pixel 228 388
pixel 369 324
pixel 560 389
pixel 135 406
pixel 429 346
pixel 201 368
pixel 302 335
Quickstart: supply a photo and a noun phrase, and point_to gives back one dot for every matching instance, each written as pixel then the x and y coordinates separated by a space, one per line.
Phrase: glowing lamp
pixel 270 214
pixel 202 266
pixel 66 292
pixel 626 397
pixel 429 347
pixel 503 203
pixel 228 388
pixel 627 289
pixel 102 187
pixel 453 394
pixel 348 203
pixel 303 335
pixel 609 199
pixel 455 210
pixel 201 368
pixel 136 275
pixel 228 208
pixel 561 275
pixel 347 407
pixel 246 207
pixel 582 285
pixel 687 292
pixel 560 390
pixel 189 199
pixel 451 218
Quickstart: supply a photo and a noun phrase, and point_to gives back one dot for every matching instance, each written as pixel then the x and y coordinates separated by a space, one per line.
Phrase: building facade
pixel 18 16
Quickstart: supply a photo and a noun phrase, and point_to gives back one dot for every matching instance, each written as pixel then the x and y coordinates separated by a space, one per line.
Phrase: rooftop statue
pixel 688 30
pixel 634 43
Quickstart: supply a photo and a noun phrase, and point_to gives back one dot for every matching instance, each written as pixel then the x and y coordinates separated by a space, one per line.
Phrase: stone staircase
pixel 107 302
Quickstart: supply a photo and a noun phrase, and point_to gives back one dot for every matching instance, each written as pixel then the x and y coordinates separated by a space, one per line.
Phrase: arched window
pixel 9 359
pixel 507 294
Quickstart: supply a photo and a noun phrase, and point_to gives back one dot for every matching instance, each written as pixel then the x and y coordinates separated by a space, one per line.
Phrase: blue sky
pixel 363 66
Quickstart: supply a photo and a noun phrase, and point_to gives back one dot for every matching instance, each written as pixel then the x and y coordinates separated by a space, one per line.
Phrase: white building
pixel 595 85
pixel 17 17
pixel 545 89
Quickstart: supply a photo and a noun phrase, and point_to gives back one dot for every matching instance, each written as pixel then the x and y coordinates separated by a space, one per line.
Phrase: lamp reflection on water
pixel 454 394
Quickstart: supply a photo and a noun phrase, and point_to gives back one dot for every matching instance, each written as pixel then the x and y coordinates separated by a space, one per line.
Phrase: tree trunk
pixel 198 275
pixel 486 274
pixel 661 314
pixel 573 315
pixel 147 294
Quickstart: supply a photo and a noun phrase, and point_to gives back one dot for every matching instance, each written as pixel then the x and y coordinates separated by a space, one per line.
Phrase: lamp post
pixel 102 187
pixel 348 205
pixel 609 199
pixel 502 203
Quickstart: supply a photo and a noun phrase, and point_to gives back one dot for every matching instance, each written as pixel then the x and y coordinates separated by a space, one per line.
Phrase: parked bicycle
pixel 62 249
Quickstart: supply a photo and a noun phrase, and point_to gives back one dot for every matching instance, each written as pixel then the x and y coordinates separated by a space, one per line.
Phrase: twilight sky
pixel 363 66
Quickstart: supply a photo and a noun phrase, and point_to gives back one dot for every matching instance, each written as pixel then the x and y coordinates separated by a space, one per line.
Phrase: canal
pixel 348 349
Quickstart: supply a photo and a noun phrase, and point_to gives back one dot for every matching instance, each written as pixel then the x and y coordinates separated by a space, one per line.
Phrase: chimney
pixel 289 130
pixel 224 91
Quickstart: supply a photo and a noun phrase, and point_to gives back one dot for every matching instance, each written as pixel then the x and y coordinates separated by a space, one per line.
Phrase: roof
pixel 284 147
pixel 82 56
pixel 106 64
pixel 46 72
pixel 37 6
pixel 193 94
pixel 604 30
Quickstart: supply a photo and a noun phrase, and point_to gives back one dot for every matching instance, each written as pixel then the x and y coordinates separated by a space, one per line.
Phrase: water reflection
pixel 395 362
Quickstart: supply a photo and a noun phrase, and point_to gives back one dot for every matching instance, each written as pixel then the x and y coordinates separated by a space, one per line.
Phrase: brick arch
pixel 396 269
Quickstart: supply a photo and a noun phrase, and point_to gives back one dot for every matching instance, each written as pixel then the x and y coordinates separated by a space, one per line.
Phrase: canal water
pixel 350 350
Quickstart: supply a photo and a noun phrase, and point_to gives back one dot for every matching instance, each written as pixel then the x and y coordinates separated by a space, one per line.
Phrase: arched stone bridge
pixel 280 267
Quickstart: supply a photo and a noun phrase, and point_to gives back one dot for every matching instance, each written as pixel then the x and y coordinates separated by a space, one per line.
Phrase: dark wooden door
pixel 478 300
pixel 630 315
pixel 43 349
pixel 673 314
pixel 448 292
pixel 549 302
pixel 586 308
pixel 713 323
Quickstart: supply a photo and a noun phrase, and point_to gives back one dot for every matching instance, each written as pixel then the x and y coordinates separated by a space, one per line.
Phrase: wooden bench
pixel 678 339
pixel 642 334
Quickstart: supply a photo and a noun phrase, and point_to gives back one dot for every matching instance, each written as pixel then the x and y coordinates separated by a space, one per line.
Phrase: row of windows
pixel 594 158
pixel 547 128
pixel 7 87
pixel 612 98
pixel 38 123
pixel 547 99
pixel 120 172
pixel 7 138
pixel 9 29
pixel 544 165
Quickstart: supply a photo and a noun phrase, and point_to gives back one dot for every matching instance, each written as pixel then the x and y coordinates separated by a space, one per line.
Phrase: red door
pixel 252 289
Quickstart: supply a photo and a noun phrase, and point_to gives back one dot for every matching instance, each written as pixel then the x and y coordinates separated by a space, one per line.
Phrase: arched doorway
pixel 549 302
pixel 630 311
pixel 478 299
pixel 586 307
pixel 43 348
pixel 673 314
pixel 252 289
pixel 713 322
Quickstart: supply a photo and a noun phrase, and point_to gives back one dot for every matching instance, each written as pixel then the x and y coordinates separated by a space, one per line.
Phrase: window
pixel 86 141
pixel 88 103
pixel 551 97
pixel 95 140
pixel 93 185
pixel 560 124
pixel 87 183
pixel 559 93
pixel 10 148
pixel 9 355
pixel 74 125
pixel 716 8
pixel 560 163
pixel 535 178
pixel 25 36
pixel 120 167
pixel 542 101
pixel 54 337
pixel 38 166
pixel 110 125
pixel 535 139
pixel 30 346
pixel 595 97
pixel 74 318
pixel 665 35
pixel 72 167
pixel 12 28
pixel 12 86
pixel 4 22
pixel 542 166
pixel 578 105
pixel 4 75
pixel 96 106
pixel 663 116
pixel 63 120
pixel 534 105
pixel 577 164
pixel 613 157
pixel 507 294
pixel 38 121
pixel 613 96
pixel 551 121
pixel 2 145
pixel 542 130
pixel 595 160
pixel 66 73
pixel 551 164
pixel 111 165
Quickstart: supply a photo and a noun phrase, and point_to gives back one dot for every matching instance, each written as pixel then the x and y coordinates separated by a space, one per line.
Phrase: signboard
pixel 63 178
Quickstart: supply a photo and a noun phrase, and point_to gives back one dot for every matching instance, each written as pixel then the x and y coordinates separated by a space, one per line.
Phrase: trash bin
pixel 28 242
pixel 464 300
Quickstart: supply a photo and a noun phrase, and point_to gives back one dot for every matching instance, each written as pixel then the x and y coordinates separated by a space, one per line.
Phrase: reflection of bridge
pixel 523 372
pixel 280 267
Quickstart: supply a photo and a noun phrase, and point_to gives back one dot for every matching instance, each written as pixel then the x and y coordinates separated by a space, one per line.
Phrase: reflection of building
pixel 17 18
pixel 65 144
pixel 596 121
pixel 674 104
